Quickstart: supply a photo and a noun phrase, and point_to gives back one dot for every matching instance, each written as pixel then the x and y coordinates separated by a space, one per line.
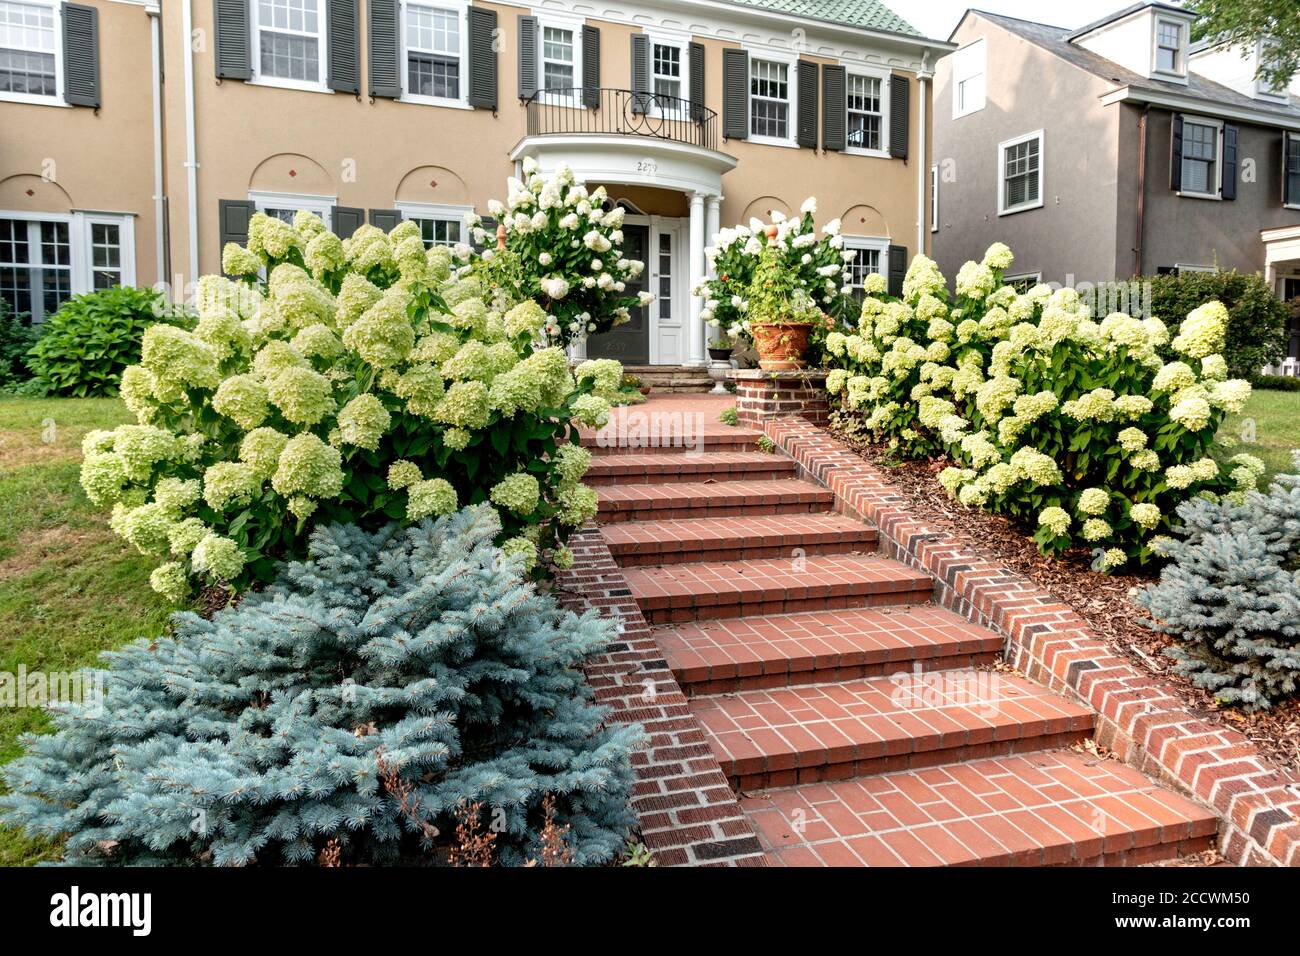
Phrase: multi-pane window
pixel 1200 157
pixel 865 121
pixel 1292 161
pixel 665 290
pixel 1169 46
pixel 440 232
pixel 1022 174
pixel 867 261
pixel 289 44
pixel 666 67
pixel 769 99
pixel 35 266
pixel 105 255
pixel 558 63
pixel 433 51
pixel 28 49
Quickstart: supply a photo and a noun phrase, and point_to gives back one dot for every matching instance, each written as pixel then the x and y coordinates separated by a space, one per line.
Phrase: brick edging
pixel 1139 718
pixel 688 813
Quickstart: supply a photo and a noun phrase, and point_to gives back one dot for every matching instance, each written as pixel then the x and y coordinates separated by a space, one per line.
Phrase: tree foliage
pixel 1245 22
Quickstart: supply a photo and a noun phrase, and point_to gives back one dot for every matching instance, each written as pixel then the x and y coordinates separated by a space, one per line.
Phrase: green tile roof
pixel 868 14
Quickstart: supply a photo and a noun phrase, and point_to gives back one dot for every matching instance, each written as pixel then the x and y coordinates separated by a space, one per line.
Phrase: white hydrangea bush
pixel 362 381
pixel 1091 433
pixel 818 265
pixel 564 249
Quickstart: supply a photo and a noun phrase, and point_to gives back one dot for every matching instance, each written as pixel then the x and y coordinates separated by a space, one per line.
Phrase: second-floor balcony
pixel 581 111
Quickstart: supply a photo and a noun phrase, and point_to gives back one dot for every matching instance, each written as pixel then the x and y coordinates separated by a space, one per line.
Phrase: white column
pixel 712 224
pixel 695 276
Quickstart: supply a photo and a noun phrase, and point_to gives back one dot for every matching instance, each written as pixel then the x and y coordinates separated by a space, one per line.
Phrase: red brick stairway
pixel 859 724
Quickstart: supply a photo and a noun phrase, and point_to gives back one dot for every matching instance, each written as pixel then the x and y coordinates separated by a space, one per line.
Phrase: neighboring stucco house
pixel 131 154
pixel 1116 150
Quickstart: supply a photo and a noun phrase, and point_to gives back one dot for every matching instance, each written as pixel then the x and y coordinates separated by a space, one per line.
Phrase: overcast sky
pixel 937 18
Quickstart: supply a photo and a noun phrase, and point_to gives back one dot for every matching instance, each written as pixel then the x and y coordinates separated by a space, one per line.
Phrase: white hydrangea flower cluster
pixel 345 390
pixel 1092 431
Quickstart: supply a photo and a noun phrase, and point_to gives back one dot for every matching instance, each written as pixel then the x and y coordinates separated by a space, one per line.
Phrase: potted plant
pixel 633 384
pixel 720 349
pixel 780 315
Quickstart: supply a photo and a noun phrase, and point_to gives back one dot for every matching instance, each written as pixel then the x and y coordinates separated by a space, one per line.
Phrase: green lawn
pixel 69 588
pixel 1269 428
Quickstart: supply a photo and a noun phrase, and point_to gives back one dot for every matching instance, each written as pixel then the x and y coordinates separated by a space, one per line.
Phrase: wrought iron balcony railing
pixel 610 112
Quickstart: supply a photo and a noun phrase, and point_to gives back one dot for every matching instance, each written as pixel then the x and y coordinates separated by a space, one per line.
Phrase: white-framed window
pixel 1020 174
pixel 289 40
pixel 1181 267
pixel 1202 157
pixel 284 206
pixel 435 52
pixel 439 225
pixel 772 83
pixel 872 258
pixel 559 60
pixel 1024 281
pixel 1268 57
pixel 1170 47
pixel 1291 170
pixel 31 51
pixel 668 66
pixel 969 67
pixel 864 96
pixel 664 274
pixel 934 198
pixel 47 258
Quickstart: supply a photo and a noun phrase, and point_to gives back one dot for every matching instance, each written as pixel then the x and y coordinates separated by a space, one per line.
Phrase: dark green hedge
pixel 1257 334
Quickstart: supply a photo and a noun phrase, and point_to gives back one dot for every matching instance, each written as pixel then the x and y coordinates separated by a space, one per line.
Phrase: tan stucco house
pixel 140 135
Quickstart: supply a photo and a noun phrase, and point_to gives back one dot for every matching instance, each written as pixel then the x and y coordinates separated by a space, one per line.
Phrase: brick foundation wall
pixel 688 813
pixel 761 396
pixel 1140 719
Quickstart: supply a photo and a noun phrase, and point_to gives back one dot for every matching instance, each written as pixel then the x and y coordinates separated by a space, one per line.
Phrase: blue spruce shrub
pixel 1231 595
pixel 258 736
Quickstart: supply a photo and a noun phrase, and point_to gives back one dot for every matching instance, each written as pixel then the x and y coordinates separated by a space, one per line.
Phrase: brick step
pixel 622 437
pixel 1055 808
pixel 724 657
pixel 645 543
pixel 711 500
pixel 705 592
pixel 795 735
pixel 663 469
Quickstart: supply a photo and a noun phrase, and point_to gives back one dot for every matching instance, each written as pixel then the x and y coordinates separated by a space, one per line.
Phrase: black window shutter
pixel 344 46
pixel 900 120
pixel 80 55
pixel 233 216
pixel 640 72
pixel 482 59
pixel 385 73
pixel 834 108
pixel 735 94
pixel 527 57
pixel 345 220
pixel 1290 169
pixel 233 46
pixel 897 270
pixel 590 67
pixel 807 130
pixel 697 81
pixel 1231 138
pixel 385 219
pixel 1176 154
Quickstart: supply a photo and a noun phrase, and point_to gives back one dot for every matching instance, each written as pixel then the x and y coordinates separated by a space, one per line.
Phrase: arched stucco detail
pixel 434 184
pixel 292 173
pixel 864 220
pixel 763 207
pixel 25 192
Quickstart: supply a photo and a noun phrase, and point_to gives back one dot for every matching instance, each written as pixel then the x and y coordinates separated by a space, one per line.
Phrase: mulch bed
pixel 1104 602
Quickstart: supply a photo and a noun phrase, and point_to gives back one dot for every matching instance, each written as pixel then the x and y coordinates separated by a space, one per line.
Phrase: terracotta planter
pixel 781 347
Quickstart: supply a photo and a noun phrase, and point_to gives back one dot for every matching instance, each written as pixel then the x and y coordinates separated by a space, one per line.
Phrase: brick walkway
pixel 857 723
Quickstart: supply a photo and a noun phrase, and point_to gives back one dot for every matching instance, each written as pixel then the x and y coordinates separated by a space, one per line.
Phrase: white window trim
pixel 1265 92
pixel 322 206
pixel 322 51
pixel 1037 278
pixel 878 244
pixel 56 6
pixel 573 25
pixel 934 198
pixel 79 222
pixel 1184 31
pixel 1217 185
pixel 683 45
pixel 461 9
pixel 959 57
pixel 437 211
pixel 885 99
pixel 791 61
pixel 1003 209
pixel 1190 267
